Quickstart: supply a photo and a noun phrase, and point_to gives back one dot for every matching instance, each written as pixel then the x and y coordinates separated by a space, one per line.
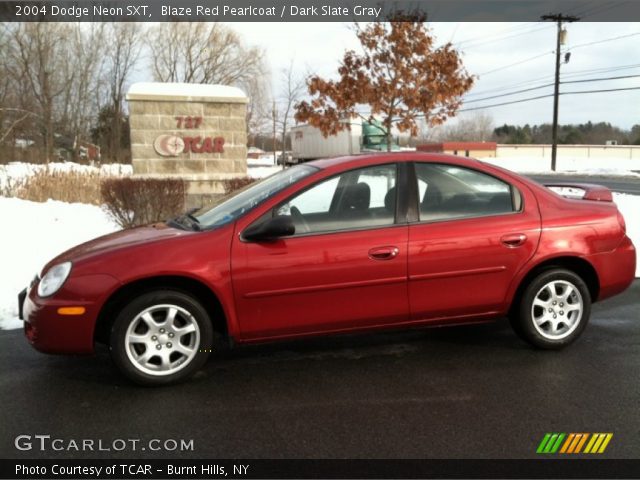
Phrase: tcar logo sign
pixel 173 145
pixel 168 145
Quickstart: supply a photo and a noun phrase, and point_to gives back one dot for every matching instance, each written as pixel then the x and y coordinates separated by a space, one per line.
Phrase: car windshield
pixel 230 207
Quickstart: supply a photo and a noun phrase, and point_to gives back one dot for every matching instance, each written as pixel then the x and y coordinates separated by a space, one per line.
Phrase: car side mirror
pixel 271 229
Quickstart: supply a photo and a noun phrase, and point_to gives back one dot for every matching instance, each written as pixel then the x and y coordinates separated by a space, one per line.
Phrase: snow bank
pixel 629 206
pixel 570 165
pixel 262 167
pixel 34 234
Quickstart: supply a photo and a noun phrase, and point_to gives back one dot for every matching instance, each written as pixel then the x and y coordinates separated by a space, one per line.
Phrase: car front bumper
pixel 50 331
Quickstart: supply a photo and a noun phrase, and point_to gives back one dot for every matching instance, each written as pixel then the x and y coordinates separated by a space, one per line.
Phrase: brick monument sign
pixel 191 131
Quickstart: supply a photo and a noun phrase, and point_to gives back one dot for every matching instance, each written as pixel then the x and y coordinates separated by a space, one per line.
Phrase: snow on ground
pixel 34 233
pixel 262 167
pixel 569 165
pixel 629 206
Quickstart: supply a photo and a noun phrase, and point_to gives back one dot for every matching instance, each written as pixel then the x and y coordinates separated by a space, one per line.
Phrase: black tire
pixel 189 312
pixel 547 334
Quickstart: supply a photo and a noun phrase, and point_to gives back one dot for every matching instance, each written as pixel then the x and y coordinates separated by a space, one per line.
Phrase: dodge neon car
pixel 337 245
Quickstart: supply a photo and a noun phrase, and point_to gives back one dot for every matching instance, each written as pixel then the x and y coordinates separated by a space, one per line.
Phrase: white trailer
pixel 308 143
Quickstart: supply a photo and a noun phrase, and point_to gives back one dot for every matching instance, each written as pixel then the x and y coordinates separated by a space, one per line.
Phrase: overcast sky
pixel 318 47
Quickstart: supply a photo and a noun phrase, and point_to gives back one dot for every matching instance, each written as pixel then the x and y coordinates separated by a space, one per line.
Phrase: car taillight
pixel 622 223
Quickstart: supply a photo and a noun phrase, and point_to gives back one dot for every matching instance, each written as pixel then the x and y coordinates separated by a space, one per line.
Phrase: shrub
pixel 233 184
pixel 140 201
pixel 66 186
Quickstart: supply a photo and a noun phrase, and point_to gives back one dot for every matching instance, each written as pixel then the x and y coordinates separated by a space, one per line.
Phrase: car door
pixel 344 268
pixel 474 232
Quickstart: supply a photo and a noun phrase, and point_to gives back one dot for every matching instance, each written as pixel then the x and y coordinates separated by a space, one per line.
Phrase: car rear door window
pixel 449 192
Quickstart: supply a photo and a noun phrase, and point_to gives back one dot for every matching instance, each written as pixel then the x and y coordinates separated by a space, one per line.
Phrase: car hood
pixel 117 241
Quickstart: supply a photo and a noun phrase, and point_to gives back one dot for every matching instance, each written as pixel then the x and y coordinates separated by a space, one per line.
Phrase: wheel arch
pixel 581 267
pixel 119 298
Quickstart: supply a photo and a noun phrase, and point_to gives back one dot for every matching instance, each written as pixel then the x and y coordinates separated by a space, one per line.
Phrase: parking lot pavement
pixel 475 392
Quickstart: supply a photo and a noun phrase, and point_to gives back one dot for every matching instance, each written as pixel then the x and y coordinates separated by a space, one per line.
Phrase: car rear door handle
pixel 383 253
pixel 513 240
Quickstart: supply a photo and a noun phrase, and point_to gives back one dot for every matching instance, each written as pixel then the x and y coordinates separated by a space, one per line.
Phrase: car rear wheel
pixel 554 309
pixel 161 337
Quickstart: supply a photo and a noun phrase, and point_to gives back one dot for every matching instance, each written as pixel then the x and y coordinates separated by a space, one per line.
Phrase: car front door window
pixel 358 199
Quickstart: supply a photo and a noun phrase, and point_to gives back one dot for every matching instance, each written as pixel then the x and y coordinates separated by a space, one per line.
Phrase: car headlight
pixel 54 279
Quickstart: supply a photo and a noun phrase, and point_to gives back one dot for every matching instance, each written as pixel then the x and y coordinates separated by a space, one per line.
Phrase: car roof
pixel 408 156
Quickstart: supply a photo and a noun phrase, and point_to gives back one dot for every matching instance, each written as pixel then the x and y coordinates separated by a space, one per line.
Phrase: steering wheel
pixel 298 219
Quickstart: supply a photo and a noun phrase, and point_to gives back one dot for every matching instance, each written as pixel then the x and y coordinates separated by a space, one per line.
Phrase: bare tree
pixel 258 108
pixel 80 104
pixel 195 52
pixel 124 40
pixel 475 127
pixel 292 88
pixel 41 61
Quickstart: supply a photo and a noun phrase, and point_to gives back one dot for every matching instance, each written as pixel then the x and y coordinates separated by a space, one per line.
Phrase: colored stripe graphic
pixel 567 443
pixel 573 443
pixel 550 443
pixel 581 442
pixel 598 442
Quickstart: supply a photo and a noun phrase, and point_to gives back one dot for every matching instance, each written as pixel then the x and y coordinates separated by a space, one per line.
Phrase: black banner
pixel 312 10
pixel 330 469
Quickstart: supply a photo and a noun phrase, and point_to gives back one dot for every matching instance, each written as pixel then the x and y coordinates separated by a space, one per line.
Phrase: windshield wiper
pixel 188 220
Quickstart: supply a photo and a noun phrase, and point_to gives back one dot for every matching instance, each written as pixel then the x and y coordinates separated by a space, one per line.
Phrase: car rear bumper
pixel 49 330
pixel 616 269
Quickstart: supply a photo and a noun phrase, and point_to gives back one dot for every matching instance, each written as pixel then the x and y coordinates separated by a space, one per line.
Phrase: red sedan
pixel 337 245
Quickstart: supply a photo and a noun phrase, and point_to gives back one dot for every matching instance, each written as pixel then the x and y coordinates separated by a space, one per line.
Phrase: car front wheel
pixel 554 309
pixel 161 337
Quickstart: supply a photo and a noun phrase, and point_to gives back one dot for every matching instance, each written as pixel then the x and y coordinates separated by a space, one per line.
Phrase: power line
pixel 600 8
pixel 506 103
pixel 546 53
pixel 546 77
pixel 602 41
pixel 600 79
pixel 486 41
pixel 504 67
pixel 600 91
pixel 579 92
pixel 509 94
pixel 511 28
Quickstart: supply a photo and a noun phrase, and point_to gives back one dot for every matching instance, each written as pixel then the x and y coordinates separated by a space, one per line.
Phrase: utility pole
pixel 559 18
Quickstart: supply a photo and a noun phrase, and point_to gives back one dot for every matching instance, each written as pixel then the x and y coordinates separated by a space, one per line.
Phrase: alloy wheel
pixel 162 339
pixel 557 309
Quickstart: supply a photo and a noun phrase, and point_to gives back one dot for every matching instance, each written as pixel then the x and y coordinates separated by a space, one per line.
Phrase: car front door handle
pixel 383 253
pixel 513 240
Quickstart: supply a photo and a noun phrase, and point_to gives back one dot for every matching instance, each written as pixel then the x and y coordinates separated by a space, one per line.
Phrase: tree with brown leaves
pixel 400 75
